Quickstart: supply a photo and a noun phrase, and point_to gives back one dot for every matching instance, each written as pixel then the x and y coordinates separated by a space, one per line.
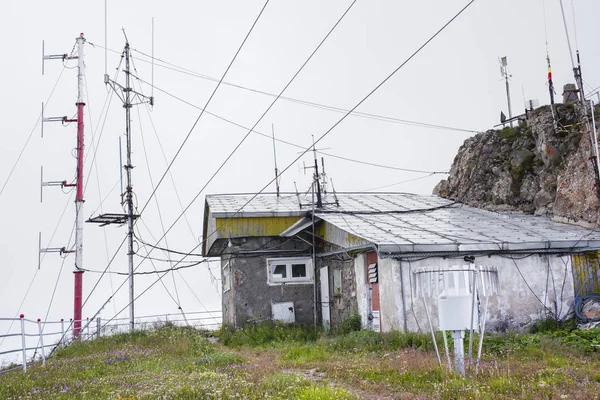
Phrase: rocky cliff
pixel 540 166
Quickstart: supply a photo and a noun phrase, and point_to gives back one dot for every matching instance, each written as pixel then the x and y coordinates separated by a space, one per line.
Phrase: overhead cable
pixel 321 137
pixel 205 106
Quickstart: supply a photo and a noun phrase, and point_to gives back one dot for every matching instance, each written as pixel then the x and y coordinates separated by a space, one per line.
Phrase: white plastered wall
pixel 530 288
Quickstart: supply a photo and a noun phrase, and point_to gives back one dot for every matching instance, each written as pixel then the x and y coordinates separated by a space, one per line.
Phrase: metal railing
pixel 38 336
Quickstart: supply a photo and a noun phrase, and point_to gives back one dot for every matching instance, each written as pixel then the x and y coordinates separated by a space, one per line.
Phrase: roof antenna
pixel 324 176
pixel 275 158
pixel 298 195
pixel 316 177
pixel 337 203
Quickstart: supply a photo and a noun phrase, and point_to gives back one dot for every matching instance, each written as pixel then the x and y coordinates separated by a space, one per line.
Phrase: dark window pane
pixel 298 270
pixel 280 270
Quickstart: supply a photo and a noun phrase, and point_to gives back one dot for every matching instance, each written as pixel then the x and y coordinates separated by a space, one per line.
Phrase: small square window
pixel 289 270
pixel 298 270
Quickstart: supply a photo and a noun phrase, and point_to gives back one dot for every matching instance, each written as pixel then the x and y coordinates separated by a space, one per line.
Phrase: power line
pixel 12 170
pixel 399 183
pixel 256 123
pixel 206 105
pixel 309 103
pixel 243 139
pixel 294 144
pixel 181 147
pixel 95 165
pixel 323 135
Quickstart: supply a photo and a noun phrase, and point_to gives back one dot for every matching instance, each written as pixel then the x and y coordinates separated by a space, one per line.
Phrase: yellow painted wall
pixel 255 226
pixel 586 272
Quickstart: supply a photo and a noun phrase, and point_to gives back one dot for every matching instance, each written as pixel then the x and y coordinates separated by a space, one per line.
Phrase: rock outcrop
pixel 536 167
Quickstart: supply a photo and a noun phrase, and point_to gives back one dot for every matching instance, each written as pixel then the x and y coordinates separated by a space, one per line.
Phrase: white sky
pixel 455 81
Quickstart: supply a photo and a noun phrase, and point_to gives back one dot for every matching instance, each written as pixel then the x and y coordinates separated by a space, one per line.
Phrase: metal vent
pixel 373 273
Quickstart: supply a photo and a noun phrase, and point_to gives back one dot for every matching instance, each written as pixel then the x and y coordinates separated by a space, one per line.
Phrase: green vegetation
pixel 553 360
pixel 508 132
pixel 518 173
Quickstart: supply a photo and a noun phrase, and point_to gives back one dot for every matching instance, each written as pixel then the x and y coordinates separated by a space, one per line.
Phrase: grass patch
pixel 266 334
pixel 180 363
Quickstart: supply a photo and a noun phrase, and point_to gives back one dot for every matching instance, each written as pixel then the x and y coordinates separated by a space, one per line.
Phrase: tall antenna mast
pixel 505 75
pixel 275 157
pixel 129 97
pixel 129 189
pixel 78 284
pixel 79 194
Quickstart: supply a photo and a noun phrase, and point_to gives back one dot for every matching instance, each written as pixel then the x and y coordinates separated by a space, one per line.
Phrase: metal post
pixel 474 289
pixel 62 331
pixel 447 351
pixel 98 327
pixel 437 353
pixel 314 257
pixel 78 295
pixel 508 98
pixel 23 344
pixel 459 351
pixel 87 325
pixel 41 342
pixel 129 189
pixel 487 299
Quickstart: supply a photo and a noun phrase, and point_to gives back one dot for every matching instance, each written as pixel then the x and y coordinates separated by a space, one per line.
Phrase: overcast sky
pixel 454 82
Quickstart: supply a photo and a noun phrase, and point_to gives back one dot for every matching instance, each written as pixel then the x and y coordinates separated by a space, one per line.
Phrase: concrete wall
pixel 251 296
pixel 544 285
pixel 362 288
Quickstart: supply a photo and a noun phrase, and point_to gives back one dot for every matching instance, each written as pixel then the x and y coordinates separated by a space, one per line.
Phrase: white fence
pixel 36 340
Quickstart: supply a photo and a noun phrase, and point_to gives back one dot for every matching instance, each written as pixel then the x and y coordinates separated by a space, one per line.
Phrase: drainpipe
pixel 403 295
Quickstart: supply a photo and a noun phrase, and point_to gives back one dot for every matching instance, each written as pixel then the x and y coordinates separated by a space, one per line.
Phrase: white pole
pixel 41 342
pixel 487 299
pixel 62 330
pixel 437 353
pixel 98 327
pixel 474 289
pixel 23 344
pixel 447 351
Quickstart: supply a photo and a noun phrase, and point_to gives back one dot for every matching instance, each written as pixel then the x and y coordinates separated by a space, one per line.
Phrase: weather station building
pixel 367 247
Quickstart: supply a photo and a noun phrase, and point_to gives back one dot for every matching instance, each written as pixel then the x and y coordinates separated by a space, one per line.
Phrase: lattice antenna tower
pixel 129 97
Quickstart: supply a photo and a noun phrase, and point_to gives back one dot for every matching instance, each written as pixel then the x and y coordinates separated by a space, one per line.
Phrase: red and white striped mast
pixel 78 273
pixel 77 315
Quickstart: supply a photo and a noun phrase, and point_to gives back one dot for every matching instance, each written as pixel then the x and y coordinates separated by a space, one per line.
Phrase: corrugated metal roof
pixel 400 222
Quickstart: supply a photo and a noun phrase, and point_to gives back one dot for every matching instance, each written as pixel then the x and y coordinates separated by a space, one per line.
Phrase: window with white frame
pixel 226 273
pixel 290 270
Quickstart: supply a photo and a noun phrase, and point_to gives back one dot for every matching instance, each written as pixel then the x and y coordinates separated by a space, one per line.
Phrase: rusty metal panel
pixel 586 272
